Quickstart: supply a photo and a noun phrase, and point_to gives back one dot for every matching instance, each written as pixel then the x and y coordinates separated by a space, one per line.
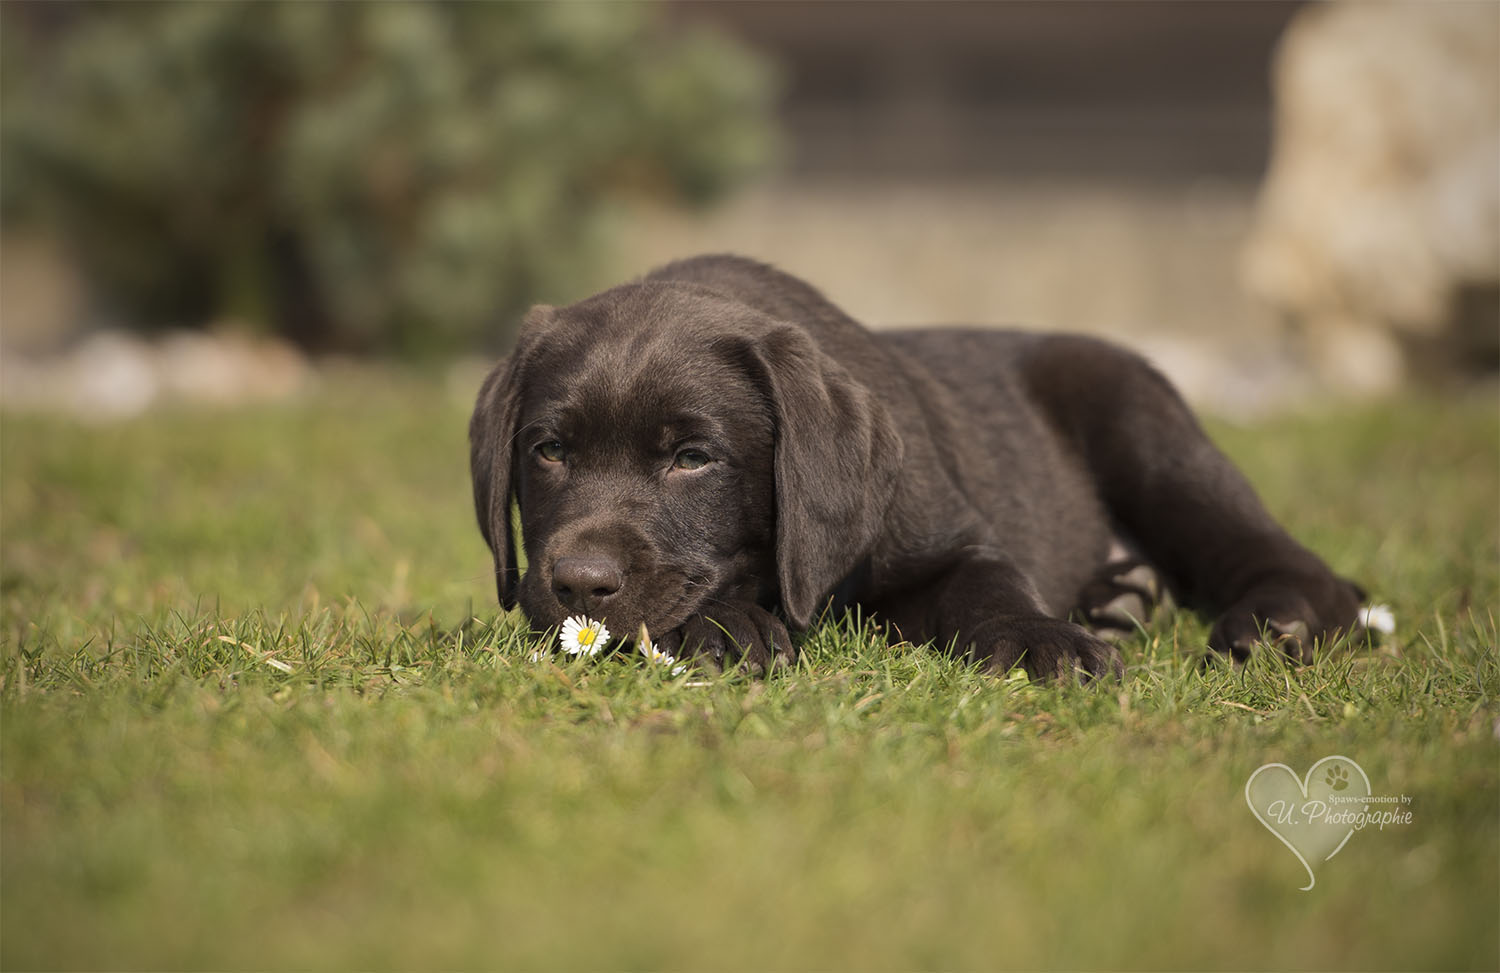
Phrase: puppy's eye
pixel 552 451
pixel 691 459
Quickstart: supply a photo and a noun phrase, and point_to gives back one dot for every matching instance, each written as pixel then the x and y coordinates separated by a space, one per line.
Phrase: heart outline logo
pixel 1295 822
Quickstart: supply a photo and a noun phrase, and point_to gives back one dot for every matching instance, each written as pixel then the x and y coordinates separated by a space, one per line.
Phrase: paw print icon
pixel 1337 778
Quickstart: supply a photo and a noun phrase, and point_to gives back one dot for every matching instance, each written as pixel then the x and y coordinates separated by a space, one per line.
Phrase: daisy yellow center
pixel 586 636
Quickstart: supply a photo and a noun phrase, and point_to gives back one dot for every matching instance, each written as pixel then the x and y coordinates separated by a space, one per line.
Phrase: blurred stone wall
pixel 1098 90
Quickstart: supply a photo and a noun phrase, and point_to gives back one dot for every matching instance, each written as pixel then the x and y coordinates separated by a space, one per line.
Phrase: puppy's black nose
pixel 586 583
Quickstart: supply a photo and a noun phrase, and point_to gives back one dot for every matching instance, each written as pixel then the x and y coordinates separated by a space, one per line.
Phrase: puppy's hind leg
pixel 1123 595
pixel 1190 512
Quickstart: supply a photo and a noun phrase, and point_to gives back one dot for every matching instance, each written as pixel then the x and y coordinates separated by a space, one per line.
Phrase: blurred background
pixel 1276 202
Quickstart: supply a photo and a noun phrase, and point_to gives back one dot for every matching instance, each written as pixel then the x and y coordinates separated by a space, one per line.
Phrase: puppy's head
pixel 671 450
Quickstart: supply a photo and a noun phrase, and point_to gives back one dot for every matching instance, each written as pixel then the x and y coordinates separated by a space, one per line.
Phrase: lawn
pixel 260 711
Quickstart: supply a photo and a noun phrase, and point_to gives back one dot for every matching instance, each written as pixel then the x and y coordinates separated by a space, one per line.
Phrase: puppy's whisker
pixel 511 444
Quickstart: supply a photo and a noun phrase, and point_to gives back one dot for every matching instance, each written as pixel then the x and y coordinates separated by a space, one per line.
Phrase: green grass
pixel 417 793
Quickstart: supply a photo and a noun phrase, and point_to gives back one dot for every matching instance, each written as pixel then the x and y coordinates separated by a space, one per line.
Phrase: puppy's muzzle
pixel 587 583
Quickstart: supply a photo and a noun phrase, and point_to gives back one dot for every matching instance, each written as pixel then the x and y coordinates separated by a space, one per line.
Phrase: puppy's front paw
pixel 1290 617
pixel 1047 648
pixel 740 633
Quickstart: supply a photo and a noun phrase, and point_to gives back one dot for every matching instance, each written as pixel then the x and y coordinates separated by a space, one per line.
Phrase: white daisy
pixel 581 635
pixel 1378 618
pixel 655 655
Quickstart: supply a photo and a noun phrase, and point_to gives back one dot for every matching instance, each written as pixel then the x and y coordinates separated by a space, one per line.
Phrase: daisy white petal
pixel 582 635
pixel 655 655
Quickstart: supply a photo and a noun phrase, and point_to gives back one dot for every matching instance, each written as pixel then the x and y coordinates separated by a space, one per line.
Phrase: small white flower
pixel 655 655
pixel 583 636
pixel 1378 618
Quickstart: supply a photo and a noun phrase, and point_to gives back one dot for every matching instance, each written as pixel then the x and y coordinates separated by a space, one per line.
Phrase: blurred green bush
pixel 367 176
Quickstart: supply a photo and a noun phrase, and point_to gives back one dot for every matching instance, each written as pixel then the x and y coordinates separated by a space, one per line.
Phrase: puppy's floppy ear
pixel 492 445
pixel 837 454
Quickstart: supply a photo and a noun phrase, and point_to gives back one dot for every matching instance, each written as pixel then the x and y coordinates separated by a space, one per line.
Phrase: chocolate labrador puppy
pixel 720 454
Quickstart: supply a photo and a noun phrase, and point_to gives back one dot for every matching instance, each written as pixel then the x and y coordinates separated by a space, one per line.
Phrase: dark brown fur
pixel 966 487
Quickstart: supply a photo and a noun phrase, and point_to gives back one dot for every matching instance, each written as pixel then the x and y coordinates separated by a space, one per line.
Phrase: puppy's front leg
pixel 985 608
pixel 731 630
